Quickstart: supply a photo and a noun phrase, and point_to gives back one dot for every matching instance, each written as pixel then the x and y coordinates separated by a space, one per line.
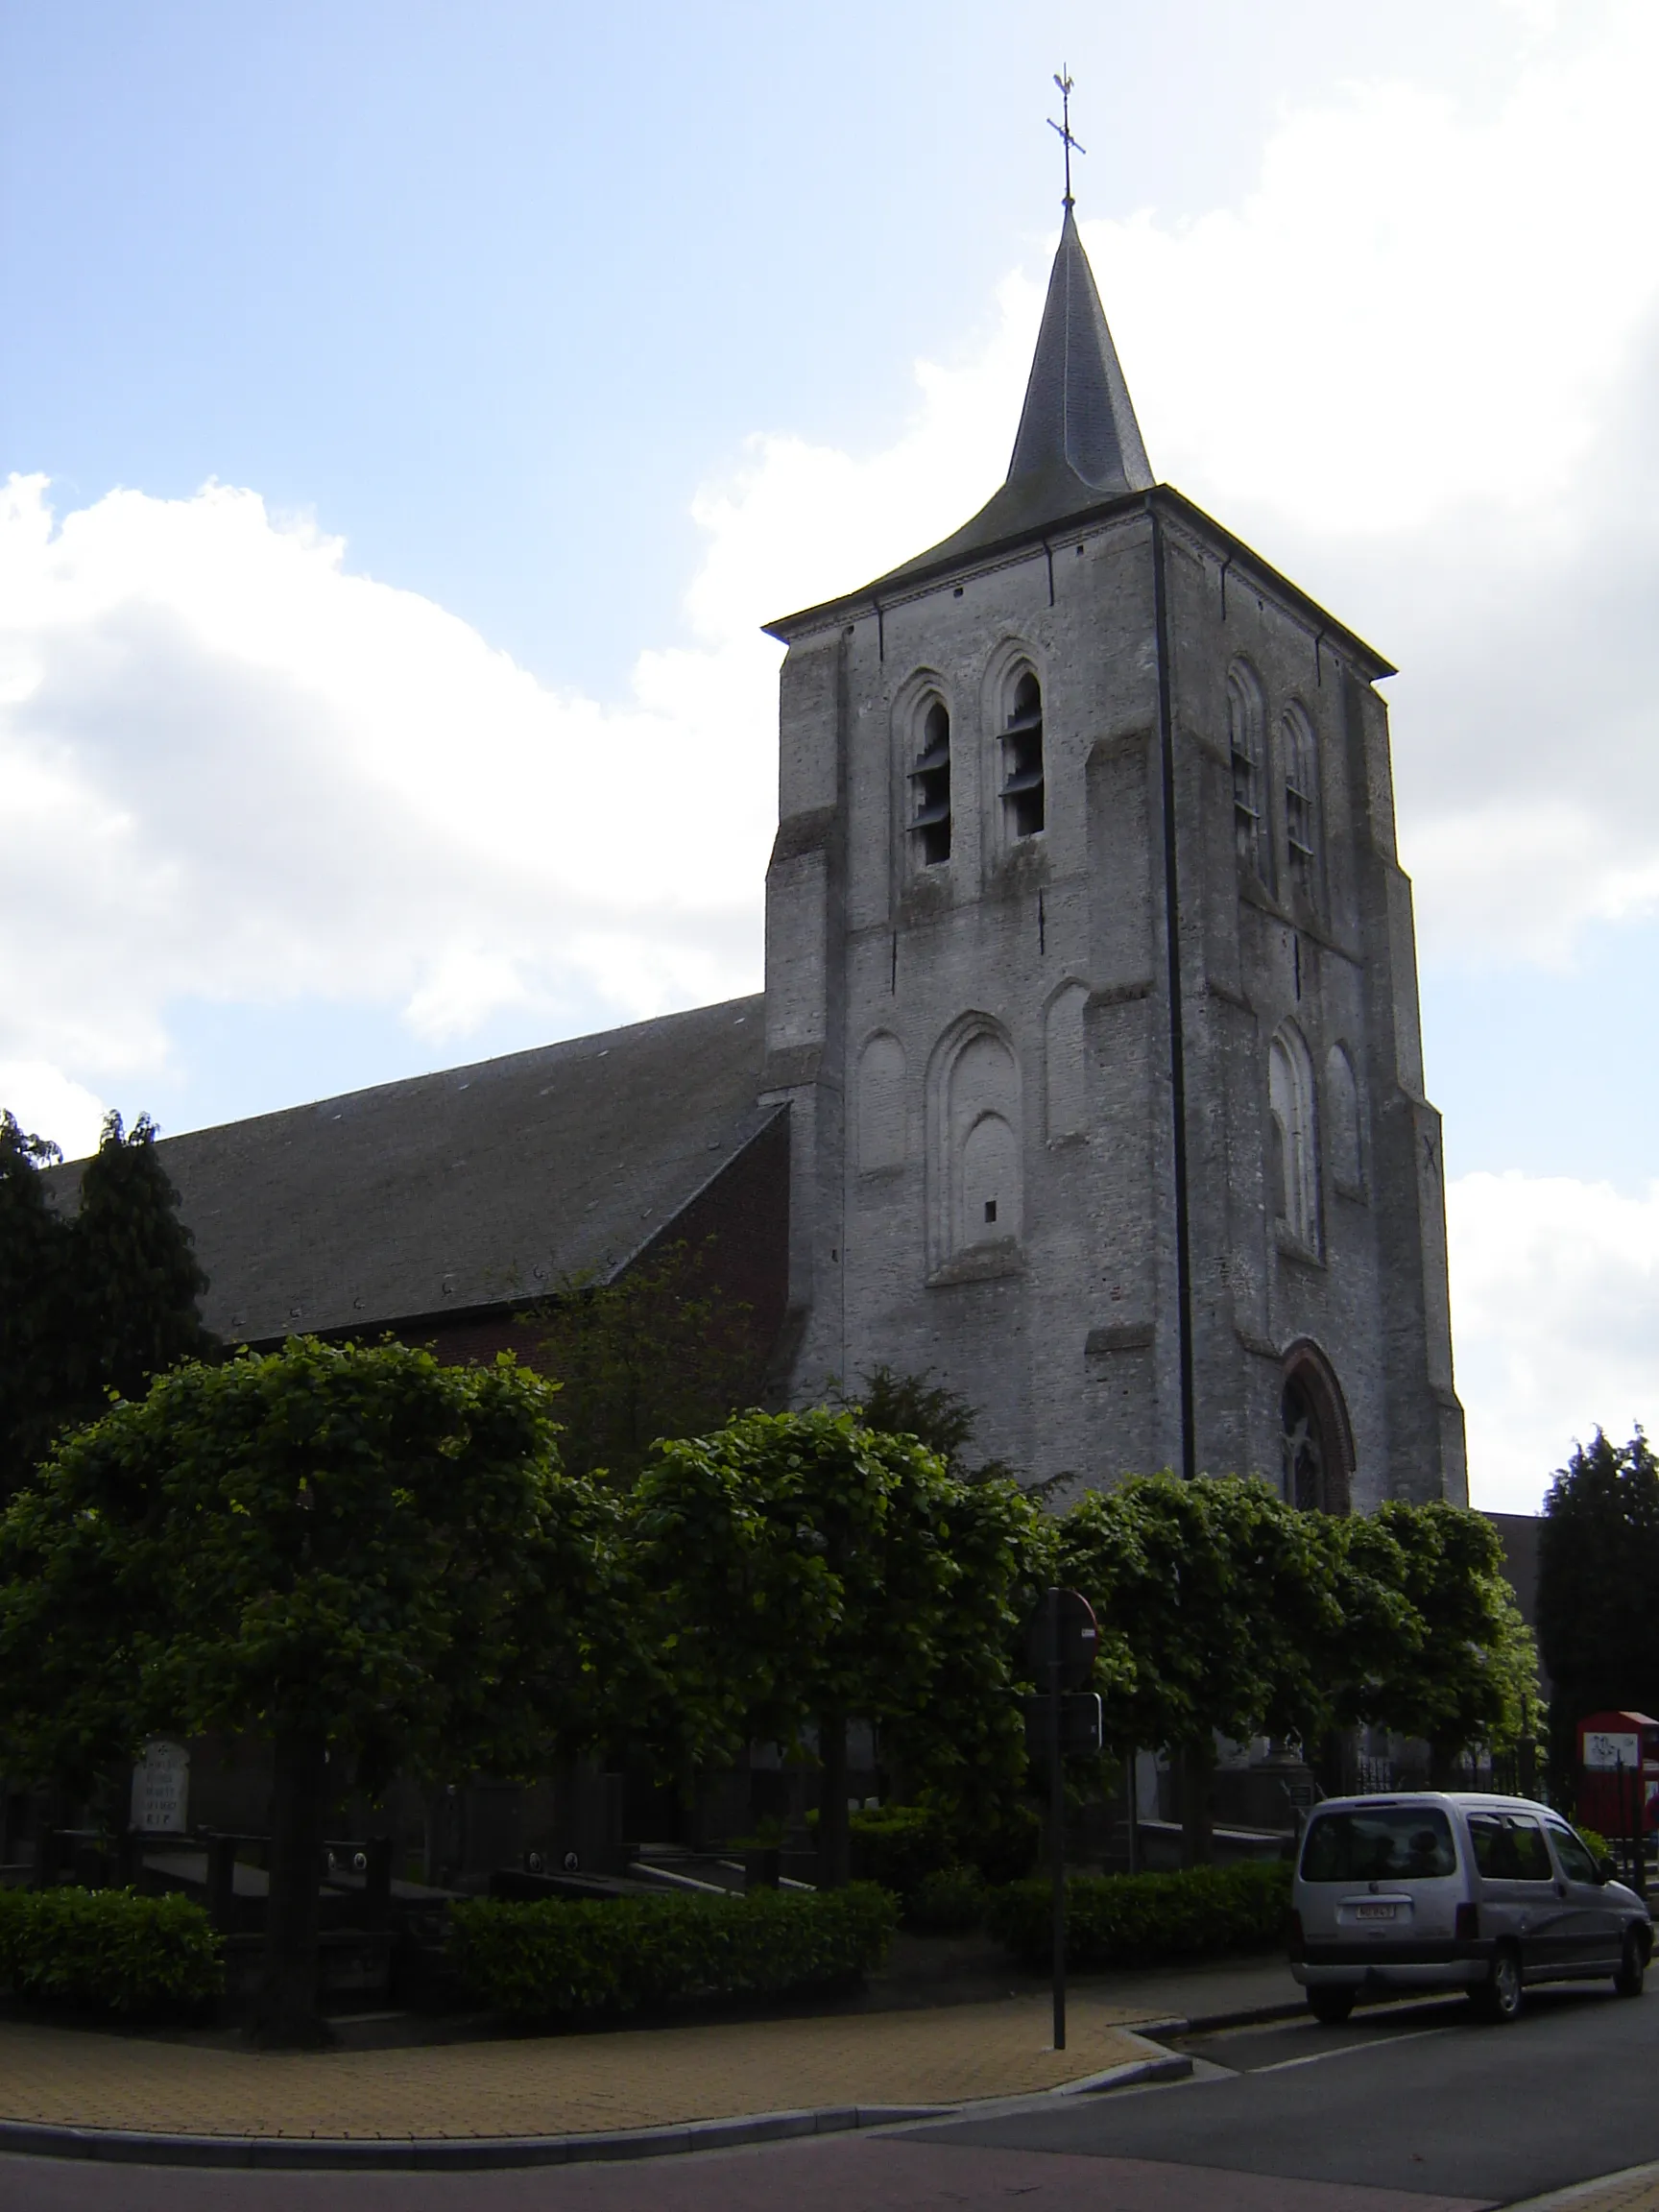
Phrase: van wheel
pixel 1499 1997
pixel 1331 2007
pixel 1632 1965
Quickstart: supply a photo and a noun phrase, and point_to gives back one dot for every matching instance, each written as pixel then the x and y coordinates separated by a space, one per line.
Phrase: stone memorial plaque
pixel 161 1790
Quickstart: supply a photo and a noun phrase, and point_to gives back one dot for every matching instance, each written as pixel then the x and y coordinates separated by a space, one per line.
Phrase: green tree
pixel 136 1274
pixel 661 1351
pixel 370 1559
pixel 35 1305
pixel 807 1570
pixel 1598 1565
pixel 91 1302
pixel 1466 1673
pixel 1218 1606
pixel 897 1404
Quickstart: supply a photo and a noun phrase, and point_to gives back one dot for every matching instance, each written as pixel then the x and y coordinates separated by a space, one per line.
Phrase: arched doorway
pixel 1316 1443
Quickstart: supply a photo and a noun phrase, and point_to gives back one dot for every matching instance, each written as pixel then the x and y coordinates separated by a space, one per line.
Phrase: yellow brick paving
pixel 557 2085
pixel 1637 2190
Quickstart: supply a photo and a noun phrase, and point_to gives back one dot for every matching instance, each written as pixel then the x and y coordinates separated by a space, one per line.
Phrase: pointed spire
pixel 1078 442
pixel 1077 414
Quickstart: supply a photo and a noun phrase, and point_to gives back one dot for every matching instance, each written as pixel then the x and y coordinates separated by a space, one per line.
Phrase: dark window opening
pixel 1303 1447
pixel 990 1209
pixel 1023 788
pixel 930 789
pixel 1302 805
pixel 1317 1459
pixel 1244 734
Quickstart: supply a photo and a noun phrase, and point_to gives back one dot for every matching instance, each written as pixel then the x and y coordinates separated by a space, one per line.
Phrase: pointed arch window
pixel 1316 1439
pixel 1292 1162
pixel 930 788
pixel 1301 764
pixel 1344 1139
pixel 1023 794
pixel 974 1174
pixel 1245 729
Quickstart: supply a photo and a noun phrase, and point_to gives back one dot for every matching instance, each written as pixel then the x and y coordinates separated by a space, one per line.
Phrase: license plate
pixel 1375 1912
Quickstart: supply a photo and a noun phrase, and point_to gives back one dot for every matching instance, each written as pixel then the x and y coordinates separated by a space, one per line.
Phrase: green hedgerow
pixel 107 1949
pixel 1112 1919
pixel 568 1958
pixel 948 1902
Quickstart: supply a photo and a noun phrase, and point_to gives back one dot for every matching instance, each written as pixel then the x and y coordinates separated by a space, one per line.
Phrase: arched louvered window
pixel 1245 743
pixel 1022 771
pixel 1301 765
pixel 930 788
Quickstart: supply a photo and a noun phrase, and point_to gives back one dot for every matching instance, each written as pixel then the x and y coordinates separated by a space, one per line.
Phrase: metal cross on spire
pixel 1064 126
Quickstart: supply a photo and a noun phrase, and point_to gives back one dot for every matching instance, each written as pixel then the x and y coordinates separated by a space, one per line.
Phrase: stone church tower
pixel 1092 989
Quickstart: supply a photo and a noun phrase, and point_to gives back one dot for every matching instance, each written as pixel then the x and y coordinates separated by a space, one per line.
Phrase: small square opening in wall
pixel 990 1209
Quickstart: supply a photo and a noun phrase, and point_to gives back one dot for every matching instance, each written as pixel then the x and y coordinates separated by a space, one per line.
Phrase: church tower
pixel 1092 989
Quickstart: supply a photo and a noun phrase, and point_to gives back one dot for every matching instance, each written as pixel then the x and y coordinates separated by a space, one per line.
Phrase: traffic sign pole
pixel 1057 1817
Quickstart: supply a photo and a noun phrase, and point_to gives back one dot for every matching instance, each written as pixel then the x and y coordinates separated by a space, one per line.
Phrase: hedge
pixel 947 1903
pixel 107 1949
pixel 584 1955
pixel 1114 1919
pixel 900 1845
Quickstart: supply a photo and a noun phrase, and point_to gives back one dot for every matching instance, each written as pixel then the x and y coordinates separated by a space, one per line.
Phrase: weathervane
pixel 1064 126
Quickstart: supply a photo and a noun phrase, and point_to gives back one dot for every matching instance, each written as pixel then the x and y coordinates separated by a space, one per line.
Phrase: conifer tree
pixel 35 1300
pixel 135 1276
pixel 90 1302
pixel 1597 1566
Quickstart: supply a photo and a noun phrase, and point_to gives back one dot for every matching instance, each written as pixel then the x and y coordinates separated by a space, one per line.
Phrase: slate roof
pixel 1078 442
pixel 465 1189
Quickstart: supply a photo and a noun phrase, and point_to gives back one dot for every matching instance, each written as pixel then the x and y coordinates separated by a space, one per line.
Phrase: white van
pixel 1426 1891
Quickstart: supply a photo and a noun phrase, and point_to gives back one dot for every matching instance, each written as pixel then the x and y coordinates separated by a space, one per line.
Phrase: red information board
pixel 1618 1770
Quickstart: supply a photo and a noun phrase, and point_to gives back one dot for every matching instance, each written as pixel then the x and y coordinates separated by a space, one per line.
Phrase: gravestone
pixel 161 1790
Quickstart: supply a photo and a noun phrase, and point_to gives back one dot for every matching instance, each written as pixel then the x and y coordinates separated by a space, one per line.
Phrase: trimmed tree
pixel 1465 1671
pixel 804 1568
pixel 662 1351
pixel 1217 1604
pixel 373 1560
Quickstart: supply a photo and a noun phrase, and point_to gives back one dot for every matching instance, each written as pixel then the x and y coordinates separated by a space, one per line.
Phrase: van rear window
pixel 1391 1844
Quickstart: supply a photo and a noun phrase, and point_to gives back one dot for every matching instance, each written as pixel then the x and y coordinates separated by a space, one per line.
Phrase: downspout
pixel 1177 1027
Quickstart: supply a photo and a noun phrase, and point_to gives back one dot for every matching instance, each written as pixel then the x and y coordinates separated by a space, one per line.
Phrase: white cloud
pixel 232 770
pixel 1416 365
pixel 235 770
pixel 1556 1307
pixel 47 1104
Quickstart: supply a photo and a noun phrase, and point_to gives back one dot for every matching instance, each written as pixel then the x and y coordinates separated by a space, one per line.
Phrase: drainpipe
pixel 1172 958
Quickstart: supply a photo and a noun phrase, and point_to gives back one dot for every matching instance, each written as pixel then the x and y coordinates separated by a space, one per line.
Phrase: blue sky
pixel 537 353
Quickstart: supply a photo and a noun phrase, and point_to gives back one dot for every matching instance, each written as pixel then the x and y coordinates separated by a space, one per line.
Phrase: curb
pixel 1203 2023
pixel 1157 2066
pixel 441 2155
pixel 1586 2192
pixel 27 2138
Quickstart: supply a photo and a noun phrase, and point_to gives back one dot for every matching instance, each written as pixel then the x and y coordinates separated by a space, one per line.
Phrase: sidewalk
pixel 624 2080
pixel 1636 2190
pixel 557 2085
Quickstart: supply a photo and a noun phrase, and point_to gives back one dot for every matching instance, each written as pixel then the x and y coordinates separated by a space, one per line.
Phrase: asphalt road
pixel 1415 2098
pixel 1409 2110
